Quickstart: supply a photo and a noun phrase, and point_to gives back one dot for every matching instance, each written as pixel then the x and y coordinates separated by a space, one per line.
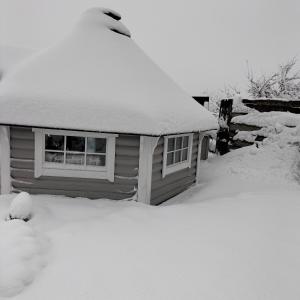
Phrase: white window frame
pixel 181 165
pixel 42 168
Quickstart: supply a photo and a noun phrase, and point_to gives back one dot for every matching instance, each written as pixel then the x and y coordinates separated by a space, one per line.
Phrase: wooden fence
pixel 260 105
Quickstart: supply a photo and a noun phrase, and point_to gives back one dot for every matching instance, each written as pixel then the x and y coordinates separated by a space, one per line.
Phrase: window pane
pixel 177 156
pixel 171 144
pixel 75 143
pixel 54 157
pixel 95 160
pixel 185 141
pixel 179 143
pixel 96 145
pixel 184 154
pixel 75 159
pixel 54 142
pixel 170 158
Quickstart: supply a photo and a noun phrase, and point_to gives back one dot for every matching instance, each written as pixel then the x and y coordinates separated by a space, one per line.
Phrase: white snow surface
pixel 10 56
pixel 233 236
pixel 21 207
pixel 21 256
pixel 98 80
pixel 264 119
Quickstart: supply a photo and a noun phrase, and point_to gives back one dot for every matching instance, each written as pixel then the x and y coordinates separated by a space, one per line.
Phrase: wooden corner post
pixel 5 184
pixel 147 146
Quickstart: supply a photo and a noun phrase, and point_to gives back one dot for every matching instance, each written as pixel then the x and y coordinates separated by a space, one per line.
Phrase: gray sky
pixel 203 45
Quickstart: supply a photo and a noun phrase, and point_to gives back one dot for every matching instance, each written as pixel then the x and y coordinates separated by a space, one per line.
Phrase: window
pixel 74 154
pixel 177 153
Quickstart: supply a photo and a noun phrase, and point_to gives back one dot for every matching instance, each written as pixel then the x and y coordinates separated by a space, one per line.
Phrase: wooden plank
pixel 26 174
pixel 72 186
pixel 127 151
pixel 158 181
pixel 242 127
pixel 22 164
pixel 22 154
pixel 22 133
pixel 73 194
pixel 160 186
pixel 158 199
pixel 127 161
pixel 22 144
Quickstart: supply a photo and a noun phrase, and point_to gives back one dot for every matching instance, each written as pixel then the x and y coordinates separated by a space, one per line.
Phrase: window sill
pixel 96 174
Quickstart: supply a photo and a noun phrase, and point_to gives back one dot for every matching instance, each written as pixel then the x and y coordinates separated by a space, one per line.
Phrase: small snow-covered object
pixel 21 207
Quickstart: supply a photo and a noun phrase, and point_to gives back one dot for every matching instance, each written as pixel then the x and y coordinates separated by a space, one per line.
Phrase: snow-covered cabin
pixel 94 117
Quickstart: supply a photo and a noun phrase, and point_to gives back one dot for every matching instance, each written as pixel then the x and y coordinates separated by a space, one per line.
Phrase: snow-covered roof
pixel 10 56
pixel 98 79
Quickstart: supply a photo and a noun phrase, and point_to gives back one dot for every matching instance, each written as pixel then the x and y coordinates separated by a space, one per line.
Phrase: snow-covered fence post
pixel 5 184
pixel 225 115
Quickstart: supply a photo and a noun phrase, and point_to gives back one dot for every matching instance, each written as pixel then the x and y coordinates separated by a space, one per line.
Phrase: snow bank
pixel 239 106
pixel 21 207
pixel 264 119
pixel 99 80
pixel 21 256
pixel 275 161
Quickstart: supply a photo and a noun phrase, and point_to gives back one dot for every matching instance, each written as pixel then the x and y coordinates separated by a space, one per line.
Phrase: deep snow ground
pixel 234 236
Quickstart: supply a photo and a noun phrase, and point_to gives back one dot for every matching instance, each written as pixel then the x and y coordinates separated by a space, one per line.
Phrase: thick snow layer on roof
pixel 98 79
pixel 10 56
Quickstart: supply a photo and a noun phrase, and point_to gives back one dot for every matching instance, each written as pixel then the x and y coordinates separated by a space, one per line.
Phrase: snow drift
pixel 21 256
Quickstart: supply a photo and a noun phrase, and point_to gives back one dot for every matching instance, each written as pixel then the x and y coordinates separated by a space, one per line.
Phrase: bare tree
pixel 285 83
pixel 261 87
pixel 288 84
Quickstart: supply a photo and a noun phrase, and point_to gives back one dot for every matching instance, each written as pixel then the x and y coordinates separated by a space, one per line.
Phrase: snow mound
pixel 21 207
pixel 98 79
pixel 275 160
pixel 21 256
pixel 264 119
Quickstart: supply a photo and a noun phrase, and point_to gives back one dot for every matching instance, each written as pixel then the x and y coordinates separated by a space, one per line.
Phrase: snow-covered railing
pixel 267 117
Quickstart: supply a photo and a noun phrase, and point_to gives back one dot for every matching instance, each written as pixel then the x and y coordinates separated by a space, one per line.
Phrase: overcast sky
pixel 203 45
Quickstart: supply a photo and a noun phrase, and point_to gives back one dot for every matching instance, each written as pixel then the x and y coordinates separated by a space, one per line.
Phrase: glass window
pixel 54 157
pixel 75 143
pixel 80 151
pixel 96 145
pixel 74 159
pixel 179 143
pixel 177 156
pixel 171 144
pixel 177 150
pixel 54 142
pixel 95 160
pixel 185 142
pixel 170 158
pixel 185 154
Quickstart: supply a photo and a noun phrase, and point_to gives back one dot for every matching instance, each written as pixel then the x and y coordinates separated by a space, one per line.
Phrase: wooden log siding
pixel 22 171
pixel 174 183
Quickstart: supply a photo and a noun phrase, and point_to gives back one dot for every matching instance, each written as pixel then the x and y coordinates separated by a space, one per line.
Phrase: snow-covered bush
pixel 22 256
pixel 21 207
pixel 285 83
